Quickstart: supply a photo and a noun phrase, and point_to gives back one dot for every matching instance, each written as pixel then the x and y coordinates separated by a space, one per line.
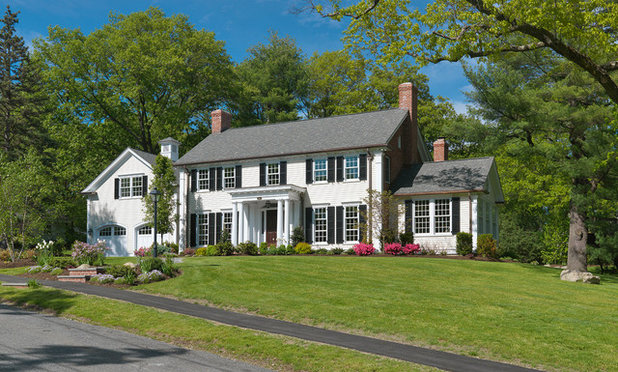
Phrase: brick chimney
pixel 440 150
pixel 221 121
pixel 408 100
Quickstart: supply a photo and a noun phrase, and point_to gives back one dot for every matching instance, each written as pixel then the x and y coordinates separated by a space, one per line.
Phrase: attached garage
pixel 115 237
pixel 144 237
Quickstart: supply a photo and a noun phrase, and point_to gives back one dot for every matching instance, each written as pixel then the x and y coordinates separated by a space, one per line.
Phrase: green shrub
pixel 289 250
pixel 298 235
pixel 169 268
pixel 264 248
pixel 321 251
pixel 337 251
pixel 172 246
pixel 120 281
pixel 213 250
pixel 147 264
pixel 59 245
pixel 33 283
pixel 118 270
pixel 248 248
pixel 350 252
pixel 63 262
pixel 130 278
pixel 201 252
pixel 302 248
pixel 464 243
pixel 486 246
pixel 5 255
pixel 226 248
pixel 406 238
pixel 56 271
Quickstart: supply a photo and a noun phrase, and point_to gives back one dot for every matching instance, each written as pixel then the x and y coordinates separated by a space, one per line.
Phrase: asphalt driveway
pixel 34 341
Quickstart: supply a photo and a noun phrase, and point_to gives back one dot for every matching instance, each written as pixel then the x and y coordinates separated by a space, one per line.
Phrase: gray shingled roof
pixel 150 158
pixel 307 136
pixel 443 176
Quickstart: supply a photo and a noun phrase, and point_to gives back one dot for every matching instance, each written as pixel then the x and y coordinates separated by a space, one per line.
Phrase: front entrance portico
pixel 266 214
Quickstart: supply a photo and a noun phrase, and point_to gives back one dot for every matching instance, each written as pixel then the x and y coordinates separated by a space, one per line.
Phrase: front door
pixel 271 227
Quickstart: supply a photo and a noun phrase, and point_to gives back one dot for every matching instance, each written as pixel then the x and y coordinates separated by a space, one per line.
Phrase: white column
pixel 286 221
pixel 234 224
pixel 474 221
pixel 256 224
pixel 279 221
pixel 241 222
pixel 246 231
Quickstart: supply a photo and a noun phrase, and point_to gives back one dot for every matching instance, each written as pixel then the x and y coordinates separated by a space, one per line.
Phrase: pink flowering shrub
pixel 143 252
pixel 85 253
pixel 397 249
pixel 363 249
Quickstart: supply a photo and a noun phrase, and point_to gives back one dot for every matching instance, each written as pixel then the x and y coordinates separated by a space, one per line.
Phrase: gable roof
pixel 145 157
pixel 371 129
pixel 471 175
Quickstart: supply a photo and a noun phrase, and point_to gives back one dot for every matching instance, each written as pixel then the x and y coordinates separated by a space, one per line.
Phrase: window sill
pixel 129 197
pixel 352 180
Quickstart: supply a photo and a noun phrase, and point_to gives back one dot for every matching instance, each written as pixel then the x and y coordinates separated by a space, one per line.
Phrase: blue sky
pixel 240 23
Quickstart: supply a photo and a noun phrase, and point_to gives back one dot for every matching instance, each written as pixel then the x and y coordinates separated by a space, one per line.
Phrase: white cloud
pixel 460 107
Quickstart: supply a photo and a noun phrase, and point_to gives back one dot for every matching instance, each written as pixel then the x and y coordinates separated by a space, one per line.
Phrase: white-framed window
pixel 131 186
pixel 227 222
pixel 321 229
pixel 421 217
pixel 229 177
pixel 114 230
pixel 442 216
pixel 320 170
pixel 106 231
pixel 119 230
pixel 203 179
pixel 202 229
pixel 351 167
pixel 144 230
pixel 351 223
pixel 272 174
pixel 387 169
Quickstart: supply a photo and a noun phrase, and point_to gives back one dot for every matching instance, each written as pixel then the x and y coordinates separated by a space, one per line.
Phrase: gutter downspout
pixel 470 213
pixel 370 206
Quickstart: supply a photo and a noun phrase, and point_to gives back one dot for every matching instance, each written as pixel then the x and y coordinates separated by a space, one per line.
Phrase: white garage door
pixel 115 237
pixel 144 237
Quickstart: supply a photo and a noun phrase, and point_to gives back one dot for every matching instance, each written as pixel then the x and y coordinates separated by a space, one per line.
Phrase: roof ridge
pixel 454 160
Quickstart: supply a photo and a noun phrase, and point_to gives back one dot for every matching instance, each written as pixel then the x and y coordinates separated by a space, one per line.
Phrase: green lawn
pixel 510 312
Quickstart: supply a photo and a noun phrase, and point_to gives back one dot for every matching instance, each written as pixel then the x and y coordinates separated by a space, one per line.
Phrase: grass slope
pixel 510 312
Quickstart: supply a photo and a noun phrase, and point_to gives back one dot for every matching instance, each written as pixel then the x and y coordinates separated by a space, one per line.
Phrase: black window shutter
pixel 144 185
pixel 193 180
pixel 408 216
pixel 339 225
pixel 455 218
pixel 362 211
pixel 362 167
pixel 331 169
pixel 263 174
pixel 219 178
pixel 283 173
pixel 212 175
pixel 116 188
pixel 211 228
pixel 330 219
pixel 193 230
pixel 238 176
pixel 219 227
pixel 308 225
pixel 309 171
pixel 339 168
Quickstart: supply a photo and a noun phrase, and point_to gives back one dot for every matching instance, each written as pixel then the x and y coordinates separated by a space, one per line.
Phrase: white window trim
pixel 315 225
pixel 268 174
pixel 345 168
pixel 197 227
pixel 345 227
pixel 197 185
pixel 130 177
pixel 233 168
pixel 325 169
pixel 432 215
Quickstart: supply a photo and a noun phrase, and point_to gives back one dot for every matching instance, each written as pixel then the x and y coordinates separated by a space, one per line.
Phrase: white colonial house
pixel 259 182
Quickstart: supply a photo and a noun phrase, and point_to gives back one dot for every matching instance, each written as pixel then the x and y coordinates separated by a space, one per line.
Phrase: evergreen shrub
pixel 464 243
pixel 486 246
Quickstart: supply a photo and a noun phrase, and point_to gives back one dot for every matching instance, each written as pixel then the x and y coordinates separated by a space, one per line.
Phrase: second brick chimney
pixel 440 150
pixel 408 100
pixel 221 121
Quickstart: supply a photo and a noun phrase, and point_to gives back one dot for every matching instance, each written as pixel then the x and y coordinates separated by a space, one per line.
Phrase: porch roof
pixel 279 192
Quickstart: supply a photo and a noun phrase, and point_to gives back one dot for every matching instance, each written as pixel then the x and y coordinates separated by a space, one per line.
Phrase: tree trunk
pixel 578 236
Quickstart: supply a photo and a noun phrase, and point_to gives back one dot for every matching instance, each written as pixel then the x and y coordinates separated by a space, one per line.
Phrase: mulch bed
pixel 43 276
pixel 19 263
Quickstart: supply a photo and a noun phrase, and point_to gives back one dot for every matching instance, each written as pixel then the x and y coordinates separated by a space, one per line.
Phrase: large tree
pixel 140 78
pixel 165 182
pixel 581 32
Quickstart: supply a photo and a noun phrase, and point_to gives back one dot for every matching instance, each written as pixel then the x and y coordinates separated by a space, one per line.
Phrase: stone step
pixel 87 272
pixel 73 278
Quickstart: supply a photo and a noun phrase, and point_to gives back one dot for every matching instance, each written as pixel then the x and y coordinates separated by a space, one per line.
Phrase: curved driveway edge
pixel 439 359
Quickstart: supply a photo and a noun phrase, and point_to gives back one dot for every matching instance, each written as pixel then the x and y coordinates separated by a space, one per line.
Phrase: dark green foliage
pixel 350 252
pixel 464 243
pixel 298 235
pixel 406 238
pixel 169 268
pixel 147 264
pixel 248 248
pixel 213 250
pixel 337 251
pixel 130 277
pixel 263 248
pixel 226 248
pixel 486 246
pixel 63 262
pixel 321 251
pixel 302 248
pixel 118 270
pixel 33 284
pixel 225 236
pixel 517 242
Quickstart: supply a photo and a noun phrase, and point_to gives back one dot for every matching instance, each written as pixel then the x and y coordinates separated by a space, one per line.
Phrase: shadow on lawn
pixel 555 273
pixel 55 300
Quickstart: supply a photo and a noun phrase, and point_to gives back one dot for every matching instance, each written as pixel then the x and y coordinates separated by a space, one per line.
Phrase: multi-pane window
pixel 320 225
pixel 351 167
pixel 107 231
pixel 113 230
pixel 144 230
pixel 351 223
pixel 421 217
pixel 202 179
pixel 131 186
pixel 202 229
pixel 229 177
pixel 119 230
pixel 442 216
pixel 320 170
pixel 272 175
pixel 227 222
pixel 387 169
